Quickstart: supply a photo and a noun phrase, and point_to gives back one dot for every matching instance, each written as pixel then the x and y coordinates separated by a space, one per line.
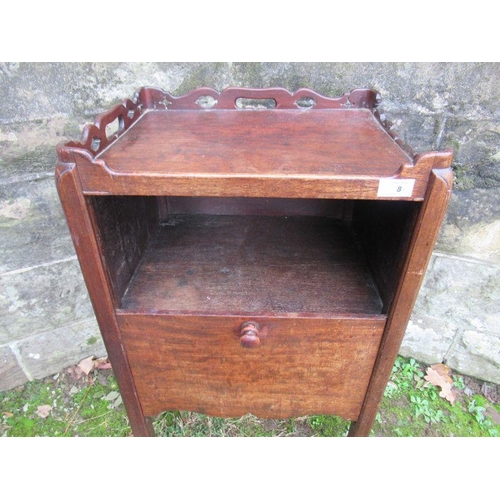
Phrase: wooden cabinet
pixel 256 260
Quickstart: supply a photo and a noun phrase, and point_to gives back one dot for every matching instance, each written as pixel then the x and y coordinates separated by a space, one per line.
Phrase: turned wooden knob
pixel 249 334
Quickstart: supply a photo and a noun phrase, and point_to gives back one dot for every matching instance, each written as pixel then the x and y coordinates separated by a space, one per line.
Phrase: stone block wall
pixel 46 321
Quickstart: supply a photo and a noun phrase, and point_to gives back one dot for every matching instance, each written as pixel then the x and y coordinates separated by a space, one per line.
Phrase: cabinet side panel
pixel 123 225
pixel 383 228
pixel 417 254
pixel 81 222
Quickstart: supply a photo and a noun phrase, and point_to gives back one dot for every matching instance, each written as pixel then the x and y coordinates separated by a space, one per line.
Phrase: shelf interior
pixel 247 264
pixel 251 256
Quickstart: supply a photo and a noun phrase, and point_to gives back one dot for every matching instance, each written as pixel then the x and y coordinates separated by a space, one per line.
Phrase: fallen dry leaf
pixel 7 414
pixel 444 371
pixel 102 364
pixel 439 376
pixel 43 411
pixel 75 372
pixel 86 365
pixel 493 414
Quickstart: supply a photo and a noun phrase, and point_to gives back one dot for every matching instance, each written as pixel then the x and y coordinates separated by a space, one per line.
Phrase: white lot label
pixel 395 188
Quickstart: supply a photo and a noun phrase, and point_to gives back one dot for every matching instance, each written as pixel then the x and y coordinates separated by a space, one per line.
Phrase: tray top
pixel 176 146
pixel 256 142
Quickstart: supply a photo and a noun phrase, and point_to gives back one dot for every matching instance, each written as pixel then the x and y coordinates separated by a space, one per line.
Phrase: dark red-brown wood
pixel 338 148
pixel 302 366
pixel 253 264
pixel 123 226
pixel 245 260
pixel 267 142
pixel 384 228
pixel 81 221
pixel 423 238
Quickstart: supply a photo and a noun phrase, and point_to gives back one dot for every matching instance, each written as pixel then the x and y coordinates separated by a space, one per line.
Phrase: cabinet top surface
pixel 260 142
pixel 175 146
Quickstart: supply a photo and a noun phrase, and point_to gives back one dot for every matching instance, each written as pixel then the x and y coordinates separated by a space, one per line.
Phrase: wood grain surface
pixel 173 146
pixel 264 142
pixel 82 222
pixel 332 153
pixel 252 264
pixel 303 366
pixel 123 226
pixel 424 233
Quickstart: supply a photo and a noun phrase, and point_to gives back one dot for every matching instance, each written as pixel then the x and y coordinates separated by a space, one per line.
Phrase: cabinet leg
pixel 142 427
pixel 359 429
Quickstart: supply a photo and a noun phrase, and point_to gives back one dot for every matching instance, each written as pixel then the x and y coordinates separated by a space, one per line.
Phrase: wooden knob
pixel 249 334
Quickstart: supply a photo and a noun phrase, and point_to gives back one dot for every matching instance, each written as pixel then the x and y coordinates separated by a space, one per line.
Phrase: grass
pixel 78 407
pixel 74 404
pixel 412 407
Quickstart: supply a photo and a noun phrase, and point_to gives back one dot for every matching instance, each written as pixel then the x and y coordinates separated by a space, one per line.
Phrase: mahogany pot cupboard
pixel 251 251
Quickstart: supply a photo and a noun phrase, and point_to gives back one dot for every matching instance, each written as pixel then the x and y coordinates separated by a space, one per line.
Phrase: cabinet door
pixel 272 367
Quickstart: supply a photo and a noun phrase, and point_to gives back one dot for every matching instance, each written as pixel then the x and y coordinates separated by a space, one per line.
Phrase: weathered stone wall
pixel 46 321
